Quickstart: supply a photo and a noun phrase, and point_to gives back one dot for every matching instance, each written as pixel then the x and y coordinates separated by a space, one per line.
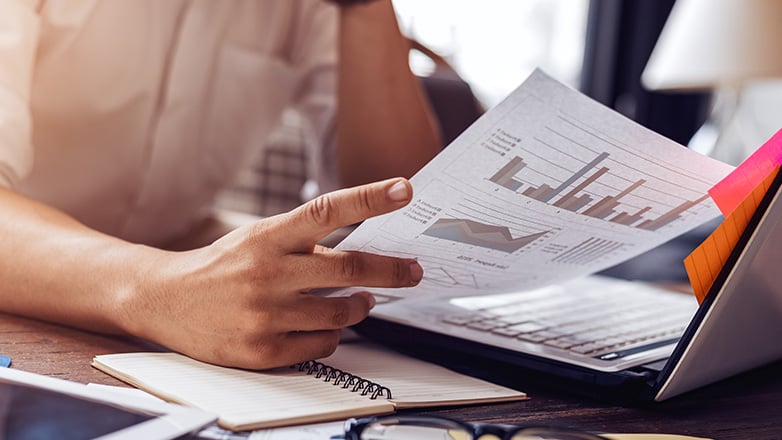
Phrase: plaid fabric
pixel 274 179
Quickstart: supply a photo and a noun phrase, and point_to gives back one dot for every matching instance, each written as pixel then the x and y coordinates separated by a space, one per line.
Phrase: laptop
pixel 608 337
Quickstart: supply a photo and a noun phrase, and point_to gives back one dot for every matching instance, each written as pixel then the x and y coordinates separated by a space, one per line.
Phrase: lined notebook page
pixel 251 399
pixel 414 383
pixel 241 399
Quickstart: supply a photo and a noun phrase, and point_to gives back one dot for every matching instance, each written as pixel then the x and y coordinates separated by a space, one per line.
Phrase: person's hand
pixel 243 301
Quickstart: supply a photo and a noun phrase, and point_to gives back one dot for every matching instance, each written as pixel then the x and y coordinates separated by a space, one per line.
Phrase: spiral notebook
pixel 359 379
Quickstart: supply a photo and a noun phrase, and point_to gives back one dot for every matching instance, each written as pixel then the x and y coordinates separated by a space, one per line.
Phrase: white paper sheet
pixel 547 186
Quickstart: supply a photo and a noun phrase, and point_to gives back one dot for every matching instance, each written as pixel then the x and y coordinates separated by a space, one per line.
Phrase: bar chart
pixel 505 176
pixel 590 249
pixel 545 193
pixel 571 194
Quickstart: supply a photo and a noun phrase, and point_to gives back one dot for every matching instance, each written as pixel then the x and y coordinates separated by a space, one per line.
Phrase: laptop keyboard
pixel 607 324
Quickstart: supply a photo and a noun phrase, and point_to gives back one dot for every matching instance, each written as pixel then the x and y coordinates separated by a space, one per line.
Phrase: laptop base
pixel 507 368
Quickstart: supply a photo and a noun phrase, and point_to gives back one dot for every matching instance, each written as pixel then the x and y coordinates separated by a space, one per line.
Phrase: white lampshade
pixel 716 43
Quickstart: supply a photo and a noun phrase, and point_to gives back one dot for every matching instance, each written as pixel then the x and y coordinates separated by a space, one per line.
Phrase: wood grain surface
pixel 748 406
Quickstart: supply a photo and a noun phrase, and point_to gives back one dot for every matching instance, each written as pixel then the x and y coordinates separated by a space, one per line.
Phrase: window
pixel 495 44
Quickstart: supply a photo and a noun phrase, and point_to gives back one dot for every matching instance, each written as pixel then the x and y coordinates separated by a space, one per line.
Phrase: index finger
pixel 309 223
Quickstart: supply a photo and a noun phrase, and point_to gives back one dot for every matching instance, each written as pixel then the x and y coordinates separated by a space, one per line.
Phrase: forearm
pixel 384 125
pixel 241 301
pixel 57 269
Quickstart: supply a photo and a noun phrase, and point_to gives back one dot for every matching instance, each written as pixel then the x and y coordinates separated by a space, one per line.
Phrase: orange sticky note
pixel 733 189
pixel 706 261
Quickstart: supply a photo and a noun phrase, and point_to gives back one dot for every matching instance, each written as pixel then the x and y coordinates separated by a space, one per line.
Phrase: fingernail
pixel 399 192
pixel 371 299
pixel 416 272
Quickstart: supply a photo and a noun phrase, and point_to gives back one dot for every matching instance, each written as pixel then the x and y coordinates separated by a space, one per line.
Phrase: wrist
pixel 141 286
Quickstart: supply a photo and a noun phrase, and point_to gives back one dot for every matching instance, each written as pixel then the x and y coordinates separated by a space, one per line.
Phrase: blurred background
pixel 600 47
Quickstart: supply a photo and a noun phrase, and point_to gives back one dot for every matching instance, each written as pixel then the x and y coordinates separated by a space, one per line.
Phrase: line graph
pixel 479 234
pixel 442 276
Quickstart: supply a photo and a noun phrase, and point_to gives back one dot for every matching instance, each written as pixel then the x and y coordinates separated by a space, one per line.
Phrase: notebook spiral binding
pixel 342 378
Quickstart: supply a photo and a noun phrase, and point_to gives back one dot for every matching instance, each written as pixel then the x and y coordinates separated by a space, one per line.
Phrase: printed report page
pixel 547 186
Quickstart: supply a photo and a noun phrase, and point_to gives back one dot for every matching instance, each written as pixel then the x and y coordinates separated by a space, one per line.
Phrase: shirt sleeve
pixel 315 52
pixel 19 27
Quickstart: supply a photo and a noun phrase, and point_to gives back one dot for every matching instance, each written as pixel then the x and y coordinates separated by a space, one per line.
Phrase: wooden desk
pixel 745 407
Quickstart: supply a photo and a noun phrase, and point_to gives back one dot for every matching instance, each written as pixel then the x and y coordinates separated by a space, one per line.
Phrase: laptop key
pixel 505 331
pixel 560 343
pixel 483 325
pixel 527 327
pixel 531 337
pixel 585 348
pixel 460 319
pixel 538 336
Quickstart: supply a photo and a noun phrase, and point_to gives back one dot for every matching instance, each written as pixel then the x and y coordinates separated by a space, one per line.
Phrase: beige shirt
pixel 131 114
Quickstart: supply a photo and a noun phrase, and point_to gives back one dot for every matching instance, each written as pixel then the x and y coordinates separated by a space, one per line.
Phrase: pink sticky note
pixel 733 189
